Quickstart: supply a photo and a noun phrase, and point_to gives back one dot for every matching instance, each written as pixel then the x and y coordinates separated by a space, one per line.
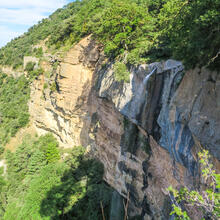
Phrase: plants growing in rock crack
pixel 121 72
pixel 207 199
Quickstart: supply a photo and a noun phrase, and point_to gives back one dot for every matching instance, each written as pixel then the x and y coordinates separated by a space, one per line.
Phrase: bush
pixel 14 96
pixel 208 200
pixel 35 73
pixel 30 66
pixel 52 153
pixel 38 52
pixel 1 150
pixel 53 87
pixel 45 85
pixel 121 72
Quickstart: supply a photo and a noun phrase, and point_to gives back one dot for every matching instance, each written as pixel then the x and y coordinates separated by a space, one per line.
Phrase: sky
pixel 16 16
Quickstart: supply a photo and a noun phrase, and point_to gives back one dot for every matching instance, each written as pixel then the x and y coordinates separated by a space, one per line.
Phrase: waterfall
pixel 140 95
pixel 143 85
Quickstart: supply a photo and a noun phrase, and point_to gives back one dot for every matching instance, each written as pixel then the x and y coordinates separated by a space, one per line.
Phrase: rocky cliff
pixel 146 132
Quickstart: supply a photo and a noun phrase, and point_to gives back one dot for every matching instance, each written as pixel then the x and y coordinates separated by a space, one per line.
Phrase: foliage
pixel 53 87
pixel 30 66
pixel 118 25
pixel 14 95
pixel 45 86
pixel 52 153
pixel 208 200
pixel 38 186
pixel 81 185
pixel 38 52
pixel 191 29
pixel 121 72
pixel 142 30
pixel 35 73
pixel 122 25
pixel 1 149
pixel 49 146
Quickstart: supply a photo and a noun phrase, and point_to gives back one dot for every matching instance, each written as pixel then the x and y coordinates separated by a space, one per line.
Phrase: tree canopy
pixel 36 186
pixel 140 30
pixel 14 96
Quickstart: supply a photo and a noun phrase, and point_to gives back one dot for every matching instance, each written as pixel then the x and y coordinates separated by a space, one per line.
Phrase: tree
pixel 14 96
pixel 52 153
pixel 121 26
pixel 208 200
pixel 1 150
pixel 191 31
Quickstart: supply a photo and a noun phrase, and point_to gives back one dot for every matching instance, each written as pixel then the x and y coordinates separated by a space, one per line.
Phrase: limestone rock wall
pixel 168 114
pixel 146 132
pixel 61 107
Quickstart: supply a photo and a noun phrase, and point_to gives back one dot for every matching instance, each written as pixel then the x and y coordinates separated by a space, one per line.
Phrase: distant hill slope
pixel 138 30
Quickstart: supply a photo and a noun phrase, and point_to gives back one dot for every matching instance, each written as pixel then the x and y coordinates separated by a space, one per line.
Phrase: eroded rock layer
pixel 60 107
pixel 146 132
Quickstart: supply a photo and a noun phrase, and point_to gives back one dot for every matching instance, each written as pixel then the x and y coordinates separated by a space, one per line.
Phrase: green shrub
pixel 121 72
pixel 53 87
pixel 207 201
pixel 36 162
pixel 30 66
pixel 45 85
pixel 1 150
pixel 35 73
pixel 14 96
pixel 52 153
pixel 38 52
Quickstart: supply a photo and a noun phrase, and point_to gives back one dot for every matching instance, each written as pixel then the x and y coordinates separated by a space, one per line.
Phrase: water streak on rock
pixel 140 96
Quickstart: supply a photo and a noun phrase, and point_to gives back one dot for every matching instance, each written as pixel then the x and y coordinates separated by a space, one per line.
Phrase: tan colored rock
pixel 63 112
pixel 46 66
pixel 11 72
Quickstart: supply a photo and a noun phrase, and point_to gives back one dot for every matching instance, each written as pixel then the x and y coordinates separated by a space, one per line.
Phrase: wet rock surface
pixel 178 111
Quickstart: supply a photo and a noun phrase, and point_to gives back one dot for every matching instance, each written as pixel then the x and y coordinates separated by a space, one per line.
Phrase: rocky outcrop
pixel 28 59
pixel 137 164
pixel 166 120
pixel 11 72
pixel 59 104
pixel 146 132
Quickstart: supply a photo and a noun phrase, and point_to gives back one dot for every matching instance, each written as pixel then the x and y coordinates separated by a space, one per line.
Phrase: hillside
pixel 145 30
pixel 106 104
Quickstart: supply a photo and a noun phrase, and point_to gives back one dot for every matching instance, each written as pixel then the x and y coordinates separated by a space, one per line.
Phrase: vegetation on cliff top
pixel 138 30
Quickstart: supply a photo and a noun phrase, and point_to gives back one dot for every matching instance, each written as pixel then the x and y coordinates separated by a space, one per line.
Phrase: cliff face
pixel 146 132
pixel 63 109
